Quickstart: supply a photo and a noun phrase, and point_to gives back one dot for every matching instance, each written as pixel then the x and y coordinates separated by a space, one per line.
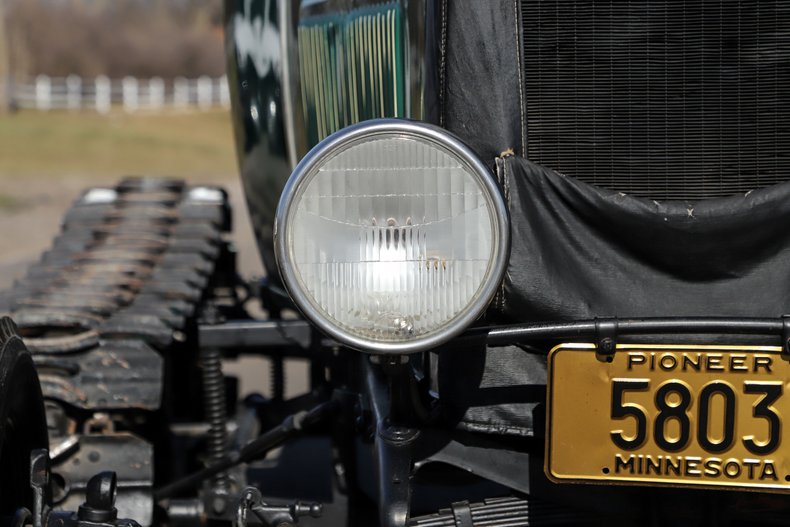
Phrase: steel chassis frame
pixel 395 435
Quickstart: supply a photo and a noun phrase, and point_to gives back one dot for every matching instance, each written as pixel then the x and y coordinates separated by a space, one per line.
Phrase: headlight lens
pixel 392 236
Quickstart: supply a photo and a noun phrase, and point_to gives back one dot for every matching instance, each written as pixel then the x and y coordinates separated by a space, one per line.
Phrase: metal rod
pixel 292 425
pixel 256 334
pixel 505 335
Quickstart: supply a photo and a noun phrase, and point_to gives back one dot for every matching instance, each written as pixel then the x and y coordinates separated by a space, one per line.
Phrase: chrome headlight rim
pixel 367 130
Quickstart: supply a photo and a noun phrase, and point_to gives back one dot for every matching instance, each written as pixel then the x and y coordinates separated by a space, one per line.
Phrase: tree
pixel 141 38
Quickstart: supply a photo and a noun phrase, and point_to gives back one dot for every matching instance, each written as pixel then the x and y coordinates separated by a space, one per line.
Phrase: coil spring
pixel 215 409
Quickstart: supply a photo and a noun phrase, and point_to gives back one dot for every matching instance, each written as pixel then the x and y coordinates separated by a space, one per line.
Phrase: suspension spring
pixel 215 411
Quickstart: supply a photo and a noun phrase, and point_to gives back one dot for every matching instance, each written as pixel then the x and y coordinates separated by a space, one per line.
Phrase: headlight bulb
pixel 392 236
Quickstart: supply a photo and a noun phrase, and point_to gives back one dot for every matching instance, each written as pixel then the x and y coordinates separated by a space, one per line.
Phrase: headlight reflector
pixel 392 236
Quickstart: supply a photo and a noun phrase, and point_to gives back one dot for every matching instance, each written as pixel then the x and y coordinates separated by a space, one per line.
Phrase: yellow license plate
pixel 669 415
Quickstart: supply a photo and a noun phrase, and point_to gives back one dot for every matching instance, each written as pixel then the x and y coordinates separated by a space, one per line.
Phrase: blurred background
pixel 93 90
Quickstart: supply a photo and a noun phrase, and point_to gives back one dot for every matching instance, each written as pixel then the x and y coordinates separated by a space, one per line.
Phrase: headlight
pixel 391 236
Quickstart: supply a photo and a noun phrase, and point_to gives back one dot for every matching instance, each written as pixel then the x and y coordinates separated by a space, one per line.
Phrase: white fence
pixel 130 94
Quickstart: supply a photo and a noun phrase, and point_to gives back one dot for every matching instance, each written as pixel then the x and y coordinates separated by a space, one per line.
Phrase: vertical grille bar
pixel 662 99
pixel 352 68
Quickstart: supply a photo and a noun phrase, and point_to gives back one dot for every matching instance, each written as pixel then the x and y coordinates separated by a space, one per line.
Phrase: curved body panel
pixel 255 74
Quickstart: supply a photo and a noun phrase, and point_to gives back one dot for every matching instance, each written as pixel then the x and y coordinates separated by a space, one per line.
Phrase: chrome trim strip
pixel 415 53
pixel 290 66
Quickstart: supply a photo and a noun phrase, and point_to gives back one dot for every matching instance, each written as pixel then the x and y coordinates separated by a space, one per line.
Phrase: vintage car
pixel 535 254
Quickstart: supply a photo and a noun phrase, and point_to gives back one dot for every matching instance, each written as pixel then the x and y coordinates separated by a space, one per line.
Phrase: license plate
pixel 669 415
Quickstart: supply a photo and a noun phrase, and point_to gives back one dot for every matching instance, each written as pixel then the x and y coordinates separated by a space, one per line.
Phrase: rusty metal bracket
pixel 273 515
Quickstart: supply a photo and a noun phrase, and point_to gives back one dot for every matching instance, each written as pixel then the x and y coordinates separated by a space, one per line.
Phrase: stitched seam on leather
pixel 506 187
pixel 496 427
pixel 501 175
pixel 498 164
pixel 520 68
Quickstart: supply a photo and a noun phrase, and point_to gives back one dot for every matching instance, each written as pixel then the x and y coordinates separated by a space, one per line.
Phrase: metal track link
pixel 117 287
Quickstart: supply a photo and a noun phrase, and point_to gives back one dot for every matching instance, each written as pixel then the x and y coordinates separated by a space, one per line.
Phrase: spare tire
pixel 23 425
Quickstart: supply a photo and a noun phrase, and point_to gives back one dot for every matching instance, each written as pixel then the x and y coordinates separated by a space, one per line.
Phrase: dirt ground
pixel 30 219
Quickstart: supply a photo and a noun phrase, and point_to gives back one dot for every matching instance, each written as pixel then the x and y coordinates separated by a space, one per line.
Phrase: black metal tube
pixel 266 442
pixel 505 335
pixel 277 377
pixel 292 425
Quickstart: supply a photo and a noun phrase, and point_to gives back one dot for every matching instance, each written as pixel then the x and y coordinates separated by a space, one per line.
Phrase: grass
pixel 9 202
pixel 197 145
